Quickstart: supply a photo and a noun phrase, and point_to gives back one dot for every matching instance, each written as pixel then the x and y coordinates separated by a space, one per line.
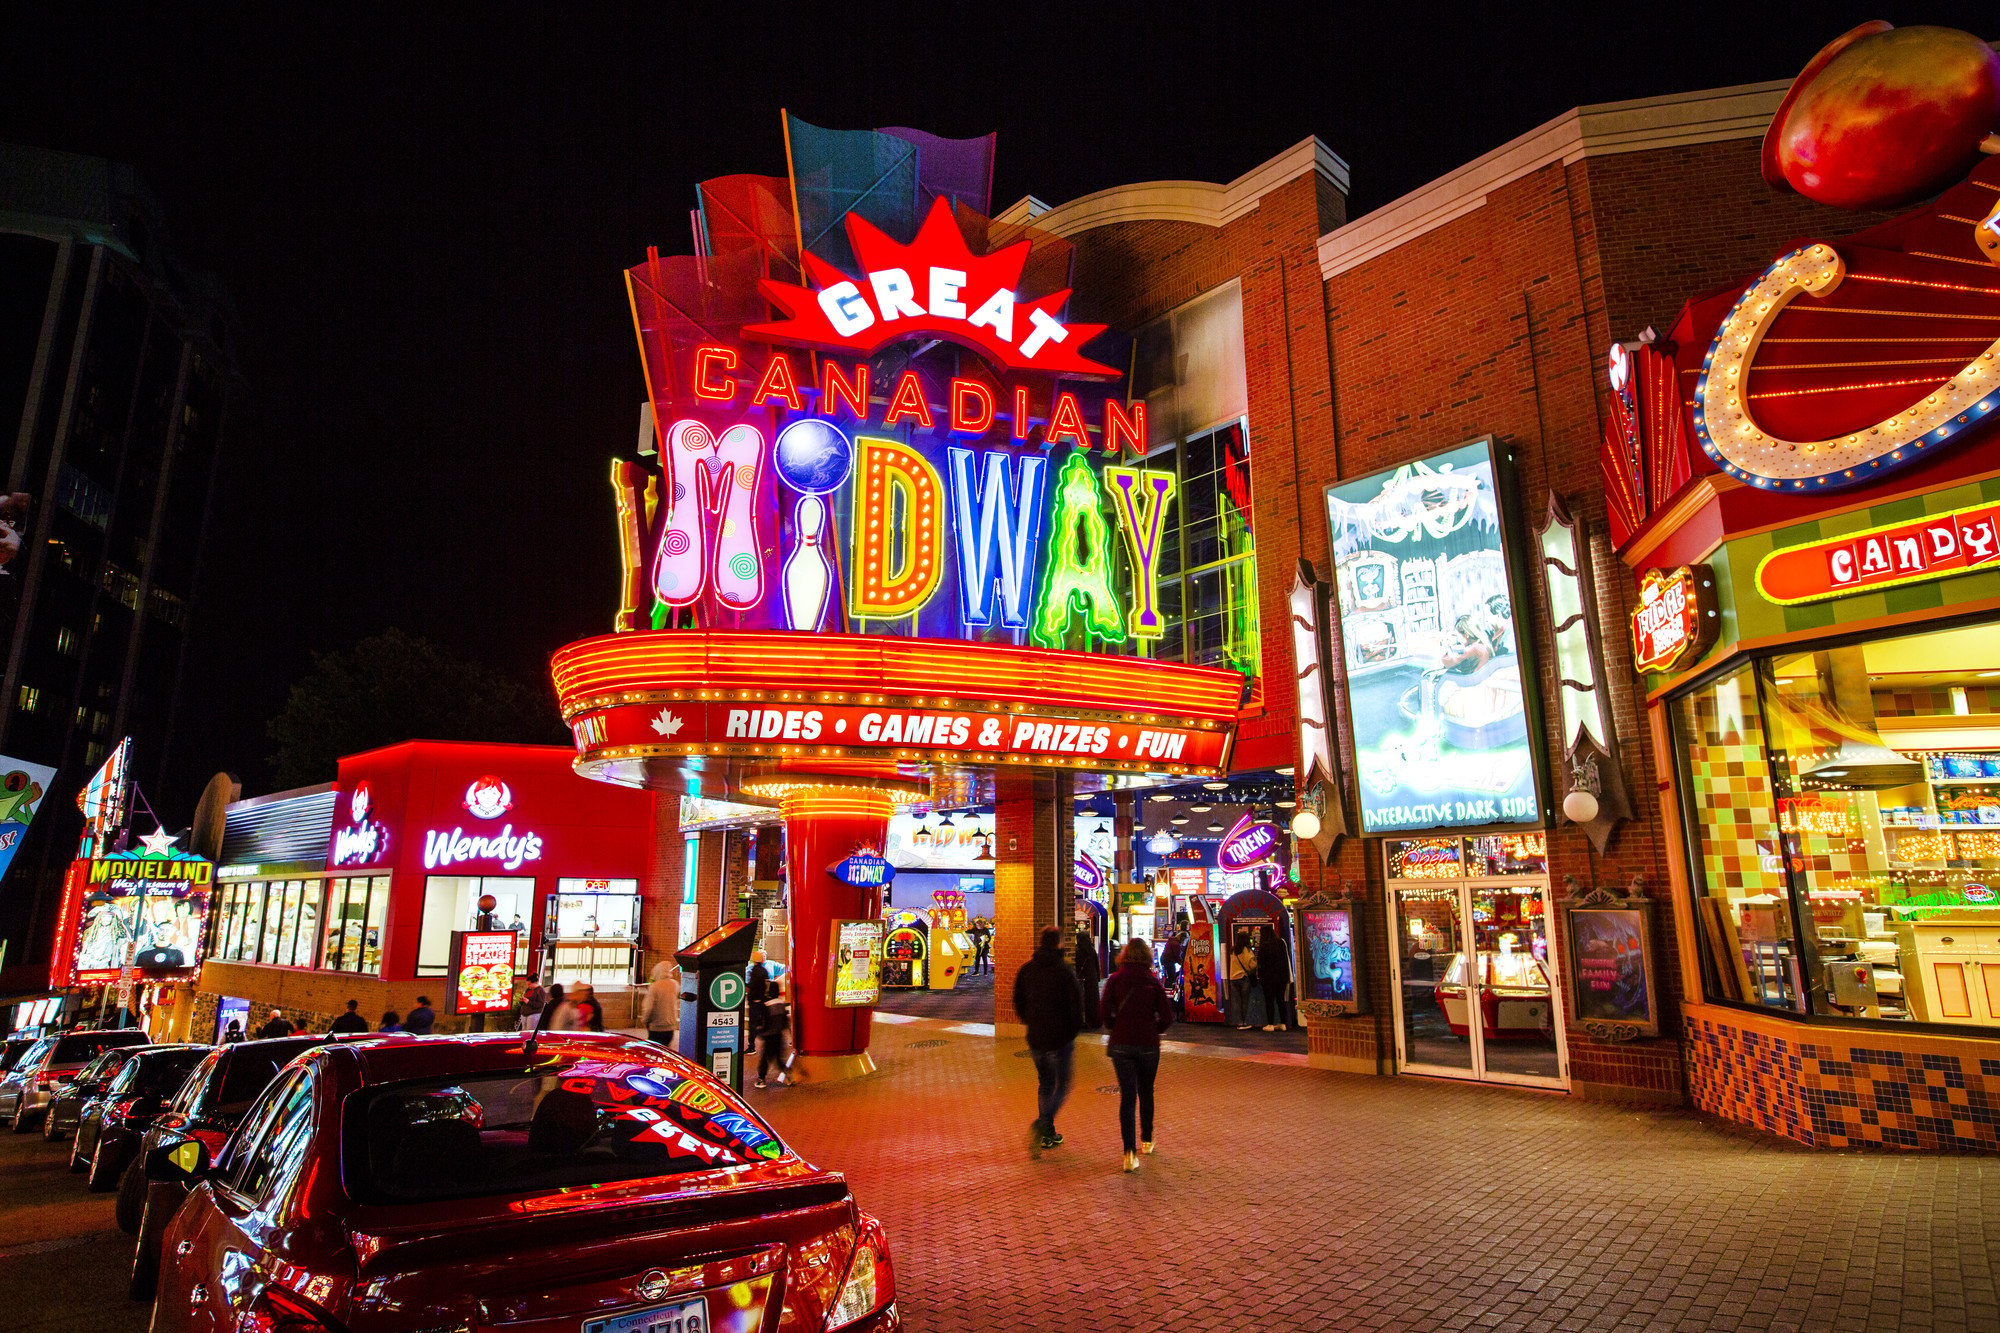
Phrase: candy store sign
pixel 1936 547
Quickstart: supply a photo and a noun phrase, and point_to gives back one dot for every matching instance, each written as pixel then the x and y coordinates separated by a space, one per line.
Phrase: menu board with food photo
pixel 482 971
pixel 1431 641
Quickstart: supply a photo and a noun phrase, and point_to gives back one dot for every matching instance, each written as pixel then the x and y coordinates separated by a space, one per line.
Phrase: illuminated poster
pixel 1328 936
pixel 22 786
pixel 1442 704
pixel 146 908
pixel 482 971
pixel 958 841
pixel 855 979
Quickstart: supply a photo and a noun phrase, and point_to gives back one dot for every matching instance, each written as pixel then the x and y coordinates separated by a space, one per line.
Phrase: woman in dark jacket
pixel 1274 976
pixel 1087 973
pixel 1137 1011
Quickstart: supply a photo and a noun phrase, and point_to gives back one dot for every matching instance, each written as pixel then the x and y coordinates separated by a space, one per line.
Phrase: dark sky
pixel 423 213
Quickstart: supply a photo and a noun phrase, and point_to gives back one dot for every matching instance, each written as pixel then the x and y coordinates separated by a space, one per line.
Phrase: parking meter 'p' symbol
pixel 726 991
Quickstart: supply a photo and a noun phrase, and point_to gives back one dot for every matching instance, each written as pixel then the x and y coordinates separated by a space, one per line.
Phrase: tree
pixel 399 687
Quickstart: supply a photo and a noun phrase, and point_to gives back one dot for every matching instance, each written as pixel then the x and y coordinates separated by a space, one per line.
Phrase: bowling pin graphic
pixel 807 575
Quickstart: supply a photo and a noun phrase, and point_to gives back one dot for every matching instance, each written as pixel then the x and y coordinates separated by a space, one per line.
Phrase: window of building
pixel 451 902
pixel 1843 814
pixel 31 699
pixel 65 641
pixel 595 930
pixel 330 924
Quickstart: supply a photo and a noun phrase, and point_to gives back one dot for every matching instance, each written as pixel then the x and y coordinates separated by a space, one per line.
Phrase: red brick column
pixel 1032 818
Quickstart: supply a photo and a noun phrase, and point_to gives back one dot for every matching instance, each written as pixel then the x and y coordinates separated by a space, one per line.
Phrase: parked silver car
pixel 29 1087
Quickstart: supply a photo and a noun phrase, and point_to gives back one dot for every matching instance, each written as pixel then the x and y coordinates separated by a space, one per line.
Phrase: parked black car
pixel 29 1087
pixel 66 1108
pixel 208 1107
pixel 112 1123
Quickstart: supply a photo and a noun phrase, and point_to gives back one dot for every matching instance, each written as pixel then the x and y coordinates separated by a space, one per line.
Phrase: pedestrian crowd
pixel 1059 998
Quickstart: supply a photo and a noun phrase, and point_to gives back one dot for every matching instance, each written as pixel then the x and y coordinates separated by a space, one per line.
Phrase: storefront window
pixel 593 930
pixel 451 902
pixel 1846 807
pixel 279 922
pixel 355 908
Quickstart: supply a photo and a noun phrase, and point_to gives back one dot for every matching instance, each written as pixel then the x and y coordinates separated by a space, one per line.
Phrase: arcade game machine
pixel 1203 999
pixel 906 952
pixel 951 945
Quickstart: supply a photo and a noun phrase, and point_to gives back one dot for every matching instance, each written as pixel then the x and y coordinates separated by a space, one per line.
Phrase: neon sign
pixel 1676 619
pixel 1935 547
pixel 364 841
pixel 948 501
pixel 442 848
pixel 934 285
pixel 1246 845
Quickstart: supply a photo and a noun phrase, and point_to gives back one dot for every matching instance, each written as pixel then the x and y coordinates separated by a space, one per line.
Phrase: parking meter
pixel 713 996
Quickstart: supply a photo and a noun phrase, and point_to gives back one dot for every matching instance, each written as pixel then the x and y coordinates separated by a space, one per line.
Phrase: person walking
pixel 1048 1000
pixel 589 1013
pixel 1242 976
pixel 351 1021
pixel 757 991
pixel 1274 975
pixel 662 1005
pixel 391 1022
pixel 533 1000
pixel 565 1016
pixel 1088 976
pixel 771 1036
pixel 275 1026
pixel 1137 1011
pixel 982 946
pixel 422 1018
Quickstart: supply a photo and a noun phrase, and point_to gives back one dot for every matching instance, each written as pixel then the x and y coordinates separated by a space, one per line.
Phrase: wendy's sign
pixel 1246 845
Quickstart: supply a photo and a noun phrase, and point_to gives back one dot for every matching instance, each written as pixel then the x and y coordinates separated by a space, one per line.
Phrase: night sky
pixel 423 220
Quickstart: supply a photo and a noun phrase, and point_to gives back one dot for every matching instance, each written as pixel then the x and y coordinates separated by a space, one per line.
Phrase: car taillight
pixel 123 1106
pixel 871 1279
pixel 48 1078
pixel 278 1311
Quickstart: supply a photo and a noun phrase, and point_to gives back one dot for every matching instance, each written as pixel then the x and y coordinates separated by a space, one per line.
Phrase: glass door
pixel 1475 970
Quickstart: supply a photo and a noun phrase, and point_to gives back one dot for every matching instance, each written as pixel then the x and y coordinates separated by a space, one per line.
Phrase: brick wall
pixel 1031 822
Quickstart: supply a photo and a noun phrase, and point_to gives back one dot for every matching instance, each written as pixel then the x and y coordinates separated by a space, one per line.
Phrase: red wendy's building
pixel 353 890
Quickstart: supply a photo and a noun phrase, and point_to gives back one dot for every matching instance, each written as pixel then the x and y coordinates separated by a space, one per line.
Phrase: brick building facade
pixel 1481 304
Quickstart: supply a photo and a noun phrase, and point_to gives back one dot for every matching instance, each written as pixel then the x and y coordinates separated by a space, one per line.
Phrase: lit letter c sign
pixel 1729 433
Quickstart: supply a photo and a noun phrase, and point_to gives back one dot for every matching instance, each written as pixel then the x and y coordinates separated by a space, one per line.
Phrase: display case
pixel 1513 991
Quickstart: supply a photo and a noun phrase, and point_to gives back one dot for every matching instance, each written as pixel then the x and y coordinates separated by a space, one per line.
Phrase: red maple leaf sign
pixel 935 286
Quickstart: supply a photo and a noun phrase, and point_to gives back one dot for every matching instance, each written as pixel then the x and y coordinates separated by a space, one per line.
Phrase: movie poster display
pixel 1328 932
pixel 855 979
pixel 1610 957
pixel 1441 702
pixel 22 786
pixel 146 909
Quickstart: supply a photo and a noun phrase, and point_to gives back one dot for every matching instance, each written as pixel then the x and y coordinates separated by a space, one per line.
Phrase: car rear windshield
pixel 159 1073
pixel 590 1122
pixel 80 1046
pixel 252 1066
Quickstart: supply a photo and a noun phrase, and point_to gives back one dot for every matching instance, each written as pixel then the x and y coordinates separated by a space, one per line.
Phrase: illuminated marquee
pixel 982 499
pixel 1935 547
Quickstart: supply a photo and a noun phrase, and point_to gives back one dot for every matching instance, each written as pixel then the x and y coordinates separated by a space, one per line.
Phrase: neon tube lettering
pixel 996 533
pixel 1140 498
pixel 895 530
pixel 1079 565
pixel 710 535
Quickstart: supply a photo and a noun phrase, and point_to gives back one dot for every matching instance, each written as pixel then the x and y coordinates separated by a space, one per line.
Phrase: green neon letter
pixel 1141 498
pixel 1079 562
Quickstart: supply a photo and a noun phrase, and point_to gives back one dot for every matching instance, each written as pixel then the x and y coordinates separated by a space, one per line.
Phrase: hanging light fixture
pixel 1201 807
pixel 1178 820
pixel 1214 827
pixel 1216 786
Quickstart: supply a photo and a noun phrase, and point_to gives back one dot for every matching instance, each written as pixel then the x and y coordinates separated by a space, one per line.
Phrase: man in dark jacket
pixel 1048 999
pixel 757 991
pixel 422 1018
pixel 351 1021
pixel 276 1026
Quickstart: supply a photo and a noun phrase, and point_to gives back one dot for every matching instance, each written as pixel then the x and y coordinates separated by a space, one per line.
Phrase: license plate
pixel 680 1317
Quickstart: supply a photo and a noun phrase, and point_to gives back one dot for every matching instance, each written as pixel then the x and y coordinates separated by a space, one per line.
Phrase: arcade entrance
pixel 1474 962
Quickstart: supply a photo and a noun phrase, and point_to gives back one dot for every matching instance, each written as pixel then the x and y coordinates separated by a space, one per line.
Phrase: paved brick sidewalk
pixel 1284 1198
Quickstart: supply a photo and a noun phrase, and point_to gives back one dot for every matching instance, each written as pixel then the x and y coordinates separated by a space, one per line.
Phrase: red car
pixel 594 1185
